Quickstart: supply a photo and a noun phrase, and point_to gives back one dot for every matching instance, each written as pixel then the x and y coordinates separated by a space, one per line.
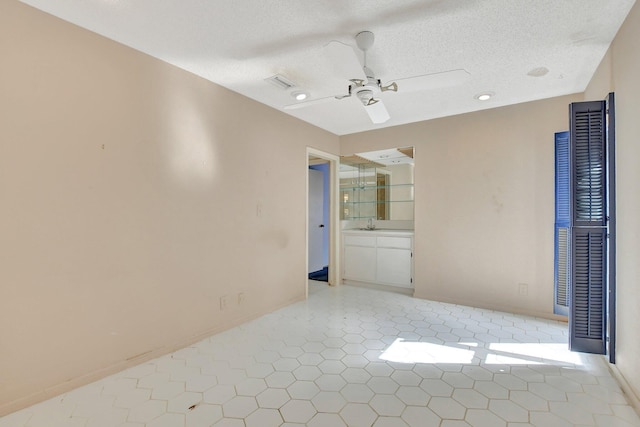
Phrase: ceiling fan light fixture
pixel 366 97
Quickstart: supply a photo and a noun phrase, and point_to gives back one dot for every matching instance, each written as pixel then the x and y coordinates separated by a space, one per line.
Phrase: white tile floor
pixel 357 357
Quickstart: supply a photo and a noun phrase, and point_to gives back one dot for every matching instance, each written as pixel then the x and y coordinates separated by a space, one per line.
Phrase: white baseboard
pixel 494 307
pixel 378 287
pixel 629 394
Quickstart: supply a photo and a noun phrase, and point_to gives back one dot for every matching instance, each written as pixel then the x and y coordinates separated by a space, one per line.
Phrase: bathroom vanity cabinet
pixel 383 257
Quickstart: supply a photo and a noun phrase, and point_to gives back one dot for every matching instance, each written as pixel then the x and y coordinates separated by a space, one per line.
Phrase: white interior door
pixel 316 226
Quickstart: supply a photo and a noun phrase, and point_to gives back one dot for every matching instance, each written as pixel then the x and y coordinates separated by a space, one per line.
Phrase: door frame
pixel 334 217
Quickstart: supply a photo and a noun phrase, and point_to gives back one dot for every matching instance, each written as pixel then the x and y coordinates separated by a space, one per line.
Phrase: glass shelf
pixel 377 202
pixel 374 187
pixel 373 190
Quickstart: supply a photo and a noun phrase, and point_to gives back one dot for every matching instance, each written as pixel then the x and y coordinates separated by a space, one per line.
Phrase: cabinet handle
pixel 321 226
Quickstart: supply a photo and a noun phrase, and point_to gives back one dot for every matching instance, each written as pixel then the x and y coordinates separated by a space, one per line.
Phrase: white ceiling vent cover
pixel 280 81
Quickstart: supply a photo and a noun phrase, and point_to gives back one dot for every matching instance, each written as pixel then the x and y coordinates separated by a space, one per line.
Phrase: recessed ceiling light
pixel 299 95
pixel 484 96
pixel 538 72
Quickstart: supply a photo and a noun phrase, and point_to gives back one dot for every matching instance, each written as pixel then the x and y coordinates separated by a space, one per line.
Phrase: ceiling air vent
pixel 281 82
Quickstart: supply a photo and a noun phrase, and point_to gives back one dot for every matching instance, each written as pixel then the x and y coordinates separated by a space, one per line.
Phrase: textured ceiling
pixel 519 50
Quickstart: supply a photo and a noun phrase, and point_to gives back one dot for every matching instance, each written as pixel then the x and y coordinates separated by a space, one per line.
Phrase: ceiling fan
pixel 366 87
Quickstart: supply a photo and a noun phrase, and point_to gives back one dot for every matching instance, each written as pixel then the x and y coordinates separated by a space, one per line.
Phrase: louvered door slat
pixel 588 167
pixel 562 270
pixel 588 288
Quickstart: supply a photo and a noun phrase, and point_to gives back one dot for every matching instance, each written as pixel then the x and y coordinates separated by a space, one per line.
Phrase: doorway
pixel 322 215
pixel 318 220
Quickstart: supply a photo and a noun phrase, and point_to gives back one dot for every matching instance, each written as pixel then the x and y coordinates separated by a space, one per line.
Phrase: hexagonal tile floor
pixel 357 357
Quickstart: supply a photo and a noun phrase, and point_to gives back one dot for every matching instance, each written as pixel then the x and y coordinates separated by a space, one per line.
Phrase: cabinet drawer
pixel 356 240
pixel 394 242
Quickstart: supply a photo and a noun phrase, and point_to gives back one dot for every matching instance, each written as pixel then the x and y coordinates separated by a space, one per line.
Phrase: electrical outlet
pixel 523 289
pixel 241 298
pixel 223 303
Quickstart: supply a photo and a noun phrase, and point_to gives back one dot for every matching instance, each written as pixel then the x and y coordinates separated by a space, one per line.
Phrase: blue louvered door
pixel 562 235
pixel 588 228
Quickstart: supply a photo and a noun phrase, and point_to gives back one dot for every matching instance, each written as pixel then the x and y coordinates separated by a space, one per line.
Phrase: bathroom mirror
pixel 377 185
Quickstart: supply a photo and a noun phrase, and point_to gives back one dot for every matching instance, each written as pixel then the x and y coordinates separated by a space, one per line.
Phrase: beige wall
pixel 484 208
pixel 619 73
pixel 129 193
pixel 602 81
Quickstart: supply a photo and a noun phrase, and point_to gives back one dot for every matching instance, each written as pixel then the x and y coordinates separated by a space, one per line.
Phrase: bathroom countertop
pixel 378 231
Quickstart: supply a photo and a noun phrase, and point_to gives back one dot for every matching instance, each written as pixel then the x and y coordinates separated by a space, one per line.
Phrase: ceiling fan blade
pixel 433 81
pixel 344 60
pixel 377 112
pixel 312 102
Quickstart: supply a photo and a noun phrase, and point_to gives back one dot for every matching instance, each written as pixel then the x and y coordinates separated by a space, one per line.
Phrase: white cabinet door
pixel 394 266
pixel 359 263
